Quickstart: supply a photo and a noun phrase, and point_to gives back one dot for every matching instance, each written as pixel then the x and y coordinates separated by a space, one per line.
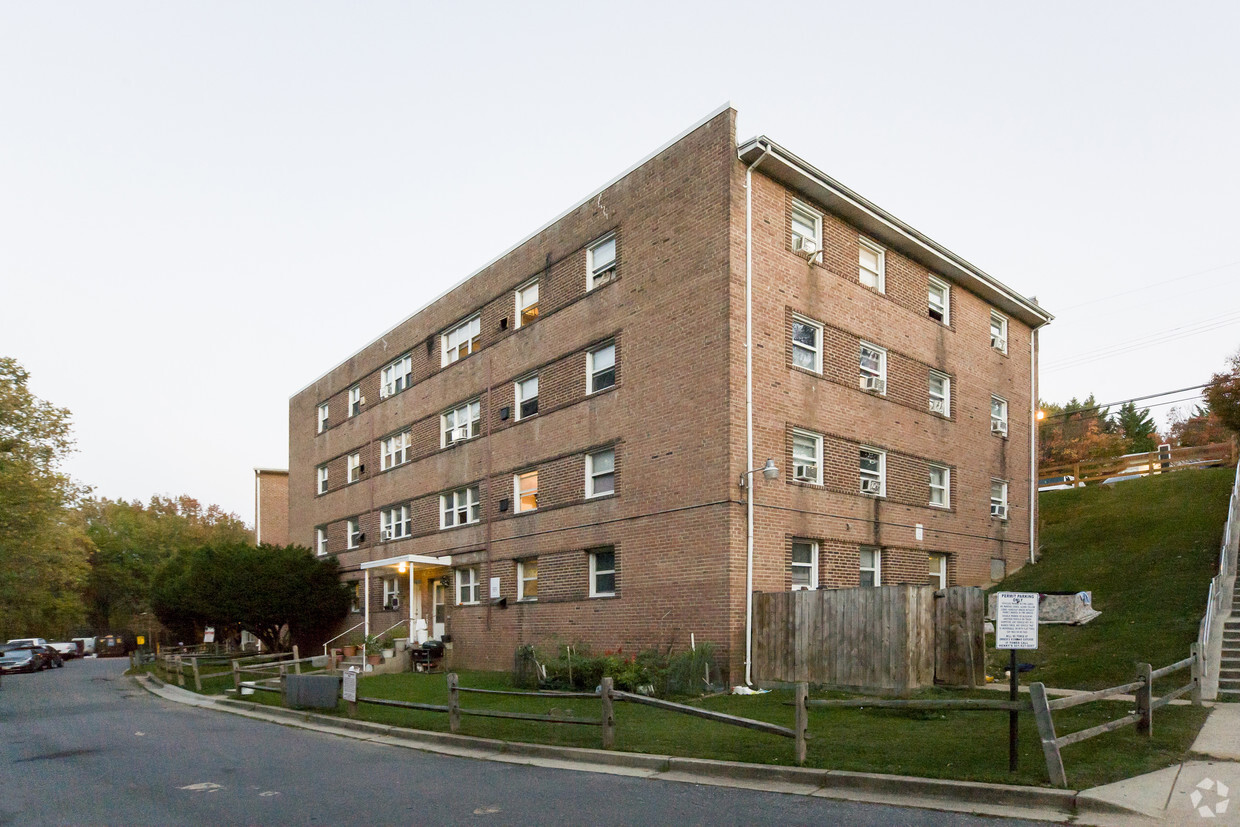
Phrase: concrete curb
pixel 929 793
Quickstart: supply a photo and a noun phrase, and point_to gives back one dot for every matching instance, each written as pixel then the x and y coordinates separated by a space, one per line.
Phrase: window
pixel 396 377
pixel 940 486
pixel 998 416
pixel 603 572
pixel 804 565
pixel 940 301
pixel 601 368
pixel 873 362
pixel 806 229
pixel 460 423
pixel 527 397
pixel 391 594
pixel 938 569
pixel 323 414
pixel 461 340
pixel 355 467
pixel 459 507
pixel 320 540
pixel 527 303
pixel 998 331
pixel 355 400
pixel 940 393
pixel 525 491
pixel 806 457
pixel 355 603
pixel 872 265
pixel 394 450
pixel 527 579
pixel 999 499
pixel 322 489
pixel 601 473
pixel 871 566
pixel 394 523
pixel 466 586
pixel 353 533
pixel 873 472
pixel 600 262
pixel 806 344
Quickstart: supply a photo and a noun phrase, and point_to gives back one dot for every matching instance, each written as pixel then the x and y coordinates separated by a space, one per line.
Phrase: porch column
pixel 366 603
pixel 411 599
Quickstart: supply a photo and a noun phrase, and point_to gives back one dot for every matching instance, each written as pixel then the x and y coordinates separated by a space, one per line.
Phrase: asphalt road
pixel 85 745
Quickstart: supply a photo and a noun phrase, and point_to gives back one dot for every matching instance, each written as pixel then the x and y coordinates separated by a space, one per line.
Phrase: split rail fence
pixel 1162 461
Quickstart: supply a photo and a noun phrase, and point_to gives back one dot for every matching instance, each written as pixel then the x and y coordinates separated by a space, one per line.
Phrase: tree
pixel 1200 427
pixel 1137 427
pixel 1076 431
pixel 263 590
pixel 42 546
pixel 1223 393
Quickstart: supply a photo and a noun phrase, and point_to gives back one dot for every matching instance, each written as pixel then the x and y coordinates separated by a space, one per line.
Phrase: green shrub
pixel 576 668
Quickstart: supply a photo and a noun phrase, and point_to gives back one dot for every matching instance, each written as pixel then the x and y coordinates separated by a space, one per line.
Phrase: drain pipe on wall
pixel 1033 444
pixel 749 413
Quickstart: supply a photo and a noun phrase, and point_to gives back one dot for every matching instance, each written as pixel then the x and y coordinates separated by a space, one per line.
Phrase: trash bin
pixel 311 691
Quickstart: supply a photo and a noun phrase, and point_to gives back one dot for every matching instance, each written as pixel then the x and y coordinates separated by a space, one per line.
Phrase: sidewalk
pixel 1159 797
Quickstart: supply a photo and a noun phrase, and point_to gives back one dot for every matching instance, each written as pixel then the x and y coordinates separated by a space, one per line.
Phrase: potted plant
pixel 349 648
pixel 373 655
pixel 388 647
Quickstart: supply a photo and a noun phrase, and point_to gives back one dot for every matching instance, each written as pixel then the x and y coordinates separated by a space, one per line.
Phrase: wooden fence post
pixel 1046 733
pixel 1145 698
pixel 180 671
pixel 802 721
pixel 237 678
pixel 609 721
pixel 1197 670
pixel 454 703
pixel 197 676
pixel 296 660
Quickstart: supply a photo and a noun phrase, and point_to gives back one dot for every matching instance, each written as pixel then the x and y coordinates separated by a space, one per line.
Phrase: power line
pixel 1149 340
pixel 1110 296
pixel 1140 398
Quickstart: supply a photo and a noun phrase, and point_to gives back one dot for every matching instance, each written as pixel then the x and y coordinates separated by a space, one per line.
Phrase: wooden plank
pixel 802 722
pixel 963 704
pixel 748 723
pixel 1046 733
pixel 1110 726
pixel 1175 667
pixel 404 704
pixel 548 693
pixel 608 718
pixel 1145 707
pixel 1172 695
pixel 529 716
pixel 1097 695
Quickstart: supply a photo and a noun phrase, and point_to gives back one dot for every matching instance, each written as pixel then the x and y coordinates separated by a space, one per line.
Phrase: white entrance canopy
pixel 412 560
pixel 420 559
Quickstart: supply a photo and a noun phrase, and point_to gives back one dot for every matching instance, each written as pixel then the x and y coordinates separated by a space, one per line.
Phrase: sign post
pixel 1016 627
pixel 349 690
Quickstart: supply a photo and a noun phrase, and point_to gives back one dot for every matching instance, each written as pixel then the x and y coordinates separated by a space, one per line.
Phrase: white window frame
pixel 595 571
pixel 397 376
pixel 876 568
pixel 998 416
pixel 998 331
pixel 523 578
pixel 460 340
pixel 880 253
pixel 456 501
pixel 450 423
pixel 521 489
pixel 945 397
pixel 938 577
pixel 868 374
pixel 320 540
pixel 599 274
pixel 322 485
pixel 467 585
pixel 353 533
pixel 944 485
pixel 999 497
pixel 355 600
pixel 394 450
pixel 869 475
pixel 945 307
pixel 394 522
pixel 801 457
pixel 355 401
pixel 815 351
pixel 521 397
pixel 812 565
pixel 324 415
pixel 355 467
pixel 391 588
pixel 592 475
pixel 593 373
pixel 526 297
pixel 811 217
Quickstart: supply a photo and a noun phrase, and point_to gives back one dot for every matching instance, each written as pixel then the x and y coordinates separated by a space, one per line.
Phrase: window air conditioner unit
pixel 871 487
pixel 807 472
pixel 998 342
pixel 385 534
pixel 460 432
pixel 393 603
pixel 938 406
pixel 998 510
pixel 998 426
pixel 873 383
pixel 805 246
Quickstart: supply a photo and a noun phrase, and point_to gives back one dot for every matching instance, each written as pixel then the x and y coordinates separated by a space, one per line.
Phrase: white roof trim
pixel 420 559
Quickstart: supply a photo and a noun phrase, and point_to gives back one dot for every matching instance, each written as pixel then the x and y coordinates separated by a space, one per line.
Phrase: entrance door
pixel 439 594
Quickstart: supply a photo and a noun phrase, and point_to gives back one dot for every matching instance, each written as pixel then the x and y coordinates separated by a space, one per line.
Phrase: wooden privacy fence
pixel 886 639
pixel 1162 461
pixel 1143 717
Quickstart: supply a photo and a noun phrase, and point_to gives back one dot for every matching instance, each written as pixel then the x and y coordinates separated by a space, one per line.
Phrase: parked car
pixel 24 659
pixel 27 641
pixel 86 645
pixel 67 650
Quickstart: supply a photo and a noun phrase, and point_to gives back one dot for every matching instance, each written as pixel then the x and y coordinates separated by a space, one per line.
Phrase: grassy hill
pixel 1147 549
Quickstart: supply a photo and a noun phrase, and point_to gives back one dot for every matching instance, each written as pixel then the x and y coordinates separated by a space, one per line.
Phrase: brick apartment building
pixel 569 428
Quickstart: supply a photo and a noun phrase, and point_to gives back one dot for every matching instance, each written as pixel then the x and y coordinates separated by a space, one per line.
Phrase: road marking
pixel 486 811
pixel 139 734
pixel 267 793
pixel 202 787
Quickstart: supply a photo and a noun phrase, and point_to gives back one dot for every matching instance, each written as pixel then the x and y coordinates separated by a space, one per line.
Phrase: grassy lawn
pixel 1147 549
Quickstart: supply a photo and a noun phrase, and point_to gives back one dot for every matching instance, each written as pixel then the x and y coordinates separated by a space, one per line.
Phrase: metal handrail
pixel 342 634
pixel 384 632
pixel 1226 564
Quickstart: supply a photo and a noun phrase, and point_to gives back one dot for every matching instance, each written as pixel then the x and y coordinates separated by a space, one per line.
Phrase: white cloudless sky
pixel 204 207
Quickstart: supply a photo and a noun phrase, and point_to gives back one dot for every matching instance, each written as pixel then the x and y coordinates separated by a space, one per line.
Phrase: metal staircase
pixel 1229 670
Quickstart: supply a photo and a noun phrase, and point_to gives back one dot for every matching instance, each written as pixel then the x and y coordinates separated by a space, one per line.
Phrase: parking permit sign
pixel 1016 620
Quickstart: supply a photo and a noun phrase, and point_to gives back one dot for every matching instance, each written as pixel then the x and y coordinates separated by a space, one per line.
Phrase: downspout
pixel 1033 445
pixel 749 414
pixel 366 606
pixel 258 508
